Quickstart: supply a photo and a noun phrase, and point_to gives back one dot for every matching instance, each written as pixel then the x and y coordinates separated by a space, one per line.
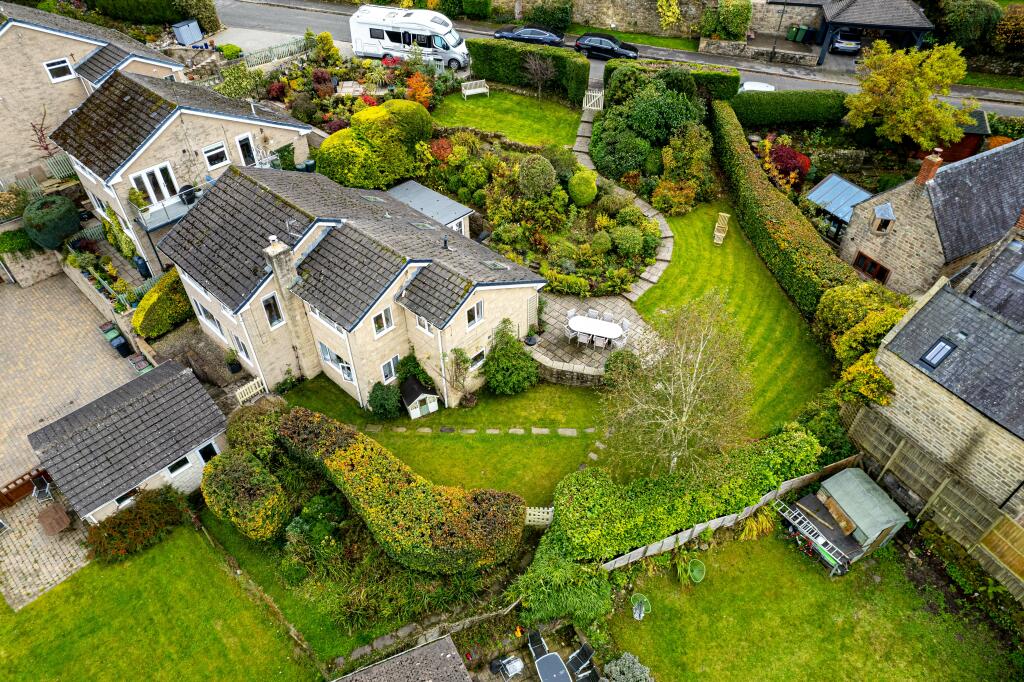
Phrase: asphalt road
pixel 295 20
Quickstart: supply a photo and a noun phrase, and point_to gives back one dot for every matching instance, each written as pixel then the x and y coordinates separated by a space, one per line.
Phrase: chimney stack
pixel 929 167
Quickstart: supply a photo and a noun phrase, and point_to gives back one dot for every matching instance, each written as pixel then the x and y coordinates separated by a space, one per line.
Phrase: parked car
pixel 535 35
pixel 756 86
pixel 604 46
pixel 847 42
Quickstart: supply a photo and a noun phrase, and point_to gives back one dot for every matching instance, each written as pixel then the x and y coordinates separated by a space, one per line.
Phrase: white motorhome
pixel 379 32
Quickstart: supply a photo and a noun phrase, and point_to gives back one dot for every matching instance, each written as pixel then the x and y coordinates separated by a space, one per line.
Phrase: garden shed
pixel 419 400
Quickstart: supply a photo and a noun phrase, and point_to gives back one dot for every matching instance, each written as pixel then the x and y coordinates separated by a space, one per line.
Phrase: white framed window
pixel 208 451
pixel 241 347
pixel 382 322
pixel 157 183
pixel 123 500
pixel 336 361
pixel 424 326
pixel 246 149
pixel 389 370
pixel 59 70
pixel 204 314
pixel 474 314
pixel 216 155
pixel 275 318
pixel 939 351
pixel 178 465
pixel 477 360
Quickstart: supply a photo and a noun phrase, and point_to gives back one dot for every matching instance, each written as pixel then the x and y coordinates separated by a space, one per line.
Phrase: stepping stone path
pixel 493 431
pixel 423 429
pixel 517 432
pixel 566 432
pixel 469 431
pixel 539 431
pixel 399 429
pixel 447 429
pixel 373 428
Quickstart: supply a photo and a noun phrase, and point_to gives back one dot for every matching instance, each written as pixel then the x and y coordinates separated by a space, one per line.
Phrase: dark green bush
pixel 409 366
pixel 477 9
pixel 801 107
pixel 502 61
pixel 678 80
pixel 252 429
pixel 239 488
pixel 1007 126
pixel 385 401
pixel 450 8
pixel 728 21
pixel 789 245
pixel 140 11
pixel 508 367
pixel 16 241
pixel 615 148
pixel 625 82
pixel 163 308
pixel 655 112
pixel 202 11
pixel 821 419
pixel 553 14
pixel 153 514
pixel 712 82
pixel 50 220
pixel 536 177
pixel 562 159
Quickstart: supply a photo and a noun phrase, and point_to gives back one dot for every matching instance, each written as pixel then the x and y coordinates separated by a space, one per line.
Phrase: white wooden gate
pixel 250 390
pixel 593 100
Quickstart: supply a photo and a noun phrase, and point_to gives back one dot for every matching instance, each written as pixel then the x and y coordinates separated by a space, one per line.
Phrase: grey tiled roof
pixel 889 13
pixel 434 205
pixel 220 242
pixel 57 22
pixel 998 289
pixel 977 200
pixel 986 367
pixel 99 63
pixel 105 448
pixel 979 124
pixel 121 115
pixel 437 661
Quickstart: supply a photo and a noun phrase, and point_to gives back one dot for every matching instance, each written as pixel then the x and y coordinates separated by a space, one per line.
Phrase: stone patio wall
pixel 32 267
pixel 735 48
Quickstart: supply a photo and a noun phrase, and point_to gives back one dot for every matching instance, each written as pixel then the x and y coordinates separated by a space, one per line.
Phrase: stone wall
pixel 764 17
pixel 734 48
pixel 32 267
pixel 636 16
pixel 994 64
pixel 567 374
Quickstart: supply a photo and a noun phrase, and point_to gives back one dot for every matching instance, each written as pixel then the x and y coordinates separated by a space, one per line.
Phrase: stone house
pixel 941 222
pixel 158 429
pixel 301 275
pixel 50 63
pixel 957 363
pixel 148 149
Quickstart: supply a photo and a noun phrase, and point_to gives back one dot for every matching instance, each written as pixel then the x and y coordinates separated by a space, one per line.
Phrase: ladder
pixel 808 529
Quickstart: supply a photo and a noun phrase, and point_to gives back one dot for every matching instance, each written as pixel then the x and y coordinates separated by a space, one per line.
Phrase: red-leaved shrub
pixel 441 149
pixel 152 516
pixel 787 160
pixel 277 90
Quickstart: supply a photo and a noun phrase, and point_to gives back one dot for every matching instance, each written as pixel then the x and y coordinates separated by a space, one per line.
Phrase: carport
pixel 901 22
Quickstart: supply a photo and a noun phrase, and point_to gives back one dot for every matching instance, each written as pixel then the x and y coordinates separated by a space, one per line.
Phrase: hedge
pixel 239 488
pixel 792 249
pixel 140 11
pixel 16 241
pixel 153 514
pixel 713 82
pixel 49 220
pixel 502 61
pixel 163 308
pixel 425 527
pixel 804 107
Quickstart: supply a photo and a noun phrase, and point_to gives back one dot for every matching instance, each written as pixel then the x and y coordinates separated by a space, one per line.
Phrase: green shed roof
pixel 864 502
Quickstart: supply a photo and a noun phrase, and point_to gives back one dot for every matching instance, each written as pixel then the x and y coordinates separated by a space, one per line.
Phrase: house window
pixel 178 465
pixel 273 311
pixel 939 351
pixel 208 452
pixel 59 70
pixel 382 321
pixel 883 225
pixel 247 150
pixel 871 268
pixel 474 314
pixel 208 317
pixel 335 360
pixel 216 155
pixel 477 360
pixel 390 370
pixel 423 325
pixel 126 498
pixel 242 350
pixel 157 183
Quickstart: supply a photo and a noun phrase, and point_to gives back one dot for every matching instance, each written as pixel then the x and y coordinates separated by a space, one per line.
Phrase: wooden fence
pixel 60 167
pixel 250 390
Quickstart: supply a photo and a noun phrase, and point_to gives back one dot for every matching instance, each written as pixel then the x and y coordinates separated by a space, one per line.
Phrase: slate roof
pixel 881 13
pixel 434 205
pixel 220 243
pixel 979 124
pixel 99 63
pixel 120 116
pixel 412 388
pixel 837 196
pixel 123 44
pixel 986 367
pixel 1001 286
pixel 106 448
pixel 437 661
pixel 977 200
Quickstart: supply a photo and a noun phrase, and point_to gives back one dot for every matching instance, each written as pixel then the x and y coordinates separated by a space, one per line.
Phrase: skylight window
pixel 939 351
pixel 373 198
pixel 423 226
pixel 1018 272
pixel 495 265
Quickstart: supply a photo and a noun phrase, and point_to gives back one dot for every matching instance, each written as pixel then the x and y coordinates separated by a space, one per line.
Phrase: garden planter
pixel 235 367
pixel 532 340
pixel 188 194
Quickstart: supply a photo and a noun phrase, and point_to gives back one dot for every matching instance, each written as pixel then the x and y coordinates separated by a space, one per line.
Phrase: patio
pixel 32 562
pixel 563 642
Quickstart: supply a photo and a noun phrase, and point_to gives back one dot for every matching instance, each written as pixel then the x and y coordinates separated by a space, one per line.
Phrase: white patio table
pixel 581 324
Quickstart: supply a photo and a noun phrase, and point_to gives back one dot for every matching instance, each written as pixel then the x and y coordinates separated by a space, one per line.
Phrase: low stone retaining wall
pixel 123 321
pixel 34 266
pixel 733 48
pixel 567 374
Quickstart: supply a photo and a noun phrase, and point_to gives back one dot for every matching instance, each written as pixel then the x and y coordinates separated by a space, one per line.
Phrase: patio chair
pixel 580 659
pixel 588 676
pixel 41 489
pixel 607 317
pixel 592 314
pixel 619 343
pixel 583 339
pixel 625 325
pixel 569 314
pixel 538 647
pixel 600 342
pixel 569 333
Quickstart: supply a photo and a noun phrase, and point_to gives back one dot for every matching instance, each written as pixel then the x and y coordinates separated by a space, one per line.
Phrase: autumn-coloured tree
pixel 41 137
pixel 417 88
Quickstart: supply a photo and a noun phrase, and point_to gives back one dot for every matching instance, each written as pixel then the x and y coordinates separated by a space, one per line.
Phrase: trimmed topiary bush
pixel 655 112
pixel 536 177
pixel 628 240
pixel 153 514
pixel 502 61
pixel 583 187
pixel 410 119
pixel 802 107
pixel 238 488
pixel 163 308
pixel 508 367
pixel 385 401
pixel 49 220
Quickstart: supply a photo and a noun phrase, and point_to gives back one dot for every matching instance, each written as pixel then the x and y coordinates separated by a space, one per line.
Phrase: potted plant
pixel 532 338
pixel 231 359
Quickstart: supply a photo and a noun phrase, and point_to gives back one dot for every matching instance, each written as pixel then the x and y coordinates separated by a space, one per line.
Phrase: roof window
pixel 423 226
pixel 939 351
pixel 1018 272
pixel 495 265
pixel 371 197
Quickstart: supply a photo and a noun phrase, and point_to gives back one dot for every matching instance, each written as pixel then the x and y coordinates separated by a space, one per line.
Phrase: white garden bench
pixel 721 228
pixel 475 88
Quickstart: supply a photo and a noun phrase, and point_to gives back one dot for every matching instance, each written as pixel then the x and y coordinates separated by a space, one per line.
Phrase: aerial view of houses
pixel 480 340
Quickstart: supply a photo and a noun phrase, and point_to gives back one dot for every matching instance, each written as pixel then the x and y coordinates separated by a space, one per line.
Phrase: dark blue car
pixel 535 35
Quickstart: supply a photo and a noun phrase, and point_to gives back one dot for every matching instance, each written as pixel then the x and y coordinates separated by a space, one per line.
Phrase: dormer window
pixel 884 217
pixel 939 351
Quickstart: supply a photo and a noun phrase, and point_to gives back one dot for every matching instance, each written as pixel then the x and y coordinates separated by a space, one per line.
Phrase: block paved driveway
pixel 53 360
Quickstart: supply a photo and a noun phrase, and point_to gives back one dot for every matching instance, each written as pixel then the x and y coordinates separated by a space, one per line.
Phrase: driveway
pixel 54 361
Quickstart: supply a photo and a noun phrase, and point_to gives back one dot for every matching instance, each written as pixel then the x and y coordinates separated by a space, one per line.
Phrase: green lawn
pixel 688 44
pixel 525 119
pixel 525 464
pixel 767 612
pixel 786 366
pixel 993 80
pixel 171 613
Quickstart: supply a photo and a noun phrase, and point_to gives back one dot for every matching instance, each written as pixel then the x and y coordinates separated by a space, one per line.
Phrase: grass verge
pixel 993 80
pixel 675 43
pixel 524 119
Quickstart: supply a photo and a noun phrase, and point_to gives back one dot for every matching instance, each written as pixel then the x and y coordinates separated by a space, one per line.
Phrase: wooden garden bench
pixel 721 228
pixel 475 88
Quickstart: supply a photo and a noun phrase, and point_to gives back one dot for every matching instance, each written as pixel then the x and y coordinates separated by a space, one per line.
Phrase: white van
pixel 379 32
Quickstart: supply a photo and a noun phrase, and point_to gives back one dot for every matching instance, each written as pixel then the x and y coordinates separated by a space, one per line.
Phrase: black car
pixel 604 46
pixel 530 34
